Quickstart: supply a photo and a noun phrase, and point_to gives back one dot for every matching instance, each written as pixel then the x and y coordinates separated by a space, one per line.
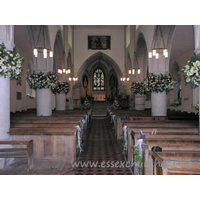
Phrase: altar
pixel 99 97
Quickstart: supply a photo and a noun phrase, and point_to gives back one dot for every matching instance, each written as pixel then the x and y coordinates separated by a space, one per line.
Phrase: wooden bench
pixel 19 151
pixel 174 162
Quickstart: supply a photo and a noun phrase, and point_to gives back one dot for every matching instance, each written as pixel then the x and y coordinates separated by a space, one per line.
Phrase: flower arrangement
pixel 176 103
pixel 86 104
pixel 115 105
pixel 40 81
pixel 158 83
pixel 10 62
pixel 61 87
pixel 30 96
pixel 196 106
pixel 138 88
pixel 192 71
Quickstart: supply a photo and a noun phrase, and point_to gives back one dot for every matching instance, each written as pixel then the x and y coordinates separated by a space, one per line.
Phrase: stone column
pixel 6 37
pixel 197 52
pixel 60 101
pixel 158 100
pixel 43 99
pixel 43 102
pixel 139 102
pixel 159 104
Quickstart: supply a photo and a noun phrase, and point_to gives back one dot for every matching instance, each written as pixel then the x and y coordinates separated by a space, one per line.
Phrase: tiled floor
pixel 102 153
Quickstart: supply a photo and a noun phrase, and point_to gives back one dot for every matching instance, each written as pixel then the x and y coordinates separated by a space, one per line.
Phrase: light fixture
pixel 42 49
pixel 156 51
pixel 74 79
pixel 135 69
pixel 64 71
pixel 124 79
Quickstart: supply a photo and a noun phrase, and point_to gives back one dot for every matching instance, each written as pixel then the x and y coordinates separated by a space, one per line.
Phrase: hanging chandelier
pixel 132 71
pixel 157 51
pixel 43 49
pixel 64 71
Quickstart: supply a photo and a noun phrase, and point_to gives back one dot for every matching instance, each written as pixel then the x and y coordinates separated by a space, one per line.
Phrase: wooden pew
pixel 54 136
pixel 174 162
pixel 22 149
pixel 49 143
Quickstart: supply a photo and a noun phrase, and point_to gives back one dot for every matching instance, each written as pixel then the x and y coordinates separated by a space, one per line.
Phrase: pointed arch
pixel 92 59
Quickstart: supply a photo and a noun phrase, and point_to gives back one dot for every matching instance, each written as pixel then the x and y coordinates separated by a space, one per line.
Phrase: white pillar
pixel 159 104
pixel 4 107
pixel 43 102
pixel 6 37
pixel 139 102
pixel 60 101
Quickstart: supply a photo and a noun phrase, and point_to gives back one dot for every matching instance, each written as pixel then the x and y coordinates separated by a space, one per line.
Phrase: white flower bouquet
pixel 10 62
pixel 176 103
pixel 42 81
pixel 158 83
pixel 192 71
pixel 138 88
pixel 196 106
pixel 61 87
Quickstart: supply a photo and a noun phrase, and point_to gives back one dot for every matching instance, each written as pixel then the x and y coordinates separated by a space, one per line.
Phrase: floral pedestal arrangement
pixel 44 84
pixel 159 85
pixel 139 90
pixel 10 68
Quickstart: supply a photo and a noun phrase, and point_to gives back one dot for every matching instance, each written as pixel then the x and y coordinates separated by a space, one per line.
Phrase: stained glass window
pixel 98 80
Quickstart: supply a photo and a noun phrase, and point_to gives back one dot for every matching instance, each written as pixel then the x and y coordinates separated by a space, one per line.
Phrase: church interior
pixel 74 108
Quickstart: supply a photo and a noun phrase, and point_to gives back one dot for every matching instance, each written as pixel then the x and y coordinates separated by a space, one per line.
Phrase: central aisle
pixel 102 153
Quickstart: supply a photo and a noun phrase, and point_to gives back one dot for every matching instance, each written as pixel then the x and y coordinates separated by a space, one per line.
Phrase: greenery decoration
pixel 158 83
pixel 192 71
pixel 138 88
pixel 30 96
pixel 86 104
pixel 137 159
pixel 42 81
pixel 196 106
pixel 61 87
pixel 10 62
pixel 176 103
pixel 115 105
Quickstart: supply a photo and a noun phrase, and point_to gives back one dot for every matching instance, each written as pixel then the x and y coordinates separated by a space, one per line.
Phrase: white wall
pixel 81 52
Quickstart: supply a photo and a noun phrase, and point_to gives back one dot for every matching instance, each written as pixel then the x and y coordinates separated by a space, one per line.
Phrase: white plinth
pixel 4 115
pixel 139 102
pixel 159 104
pixel 60 101
pixel 43 102
pixel 4 107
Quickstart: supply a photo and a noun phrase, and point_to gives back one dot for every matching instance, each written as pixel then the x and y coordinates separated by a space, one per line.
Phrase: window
pixel 98 80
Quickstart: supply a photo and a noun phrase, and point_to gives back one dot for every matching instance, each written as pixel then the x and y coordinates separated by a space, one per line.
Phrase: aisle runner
pixel 102 154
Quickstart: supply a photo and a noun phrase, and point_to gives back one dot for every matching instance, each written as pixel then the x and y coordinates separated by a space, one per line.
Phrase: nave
pixel 102 151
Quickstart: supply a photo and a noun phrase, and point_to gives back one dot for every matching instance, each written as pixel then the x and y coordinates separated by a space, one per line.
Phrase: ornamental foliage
pixel 61 87
pixel 176 103
pixel 138 88
pixel 86 104
pixel 158 83
pixel 192 70
pixel 10 62
pixel 42 81
pixel 115 105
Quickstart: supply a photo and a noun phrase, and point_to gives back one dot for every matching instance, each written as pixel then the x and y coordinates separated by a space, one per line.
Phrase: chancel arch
pixel 109 72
